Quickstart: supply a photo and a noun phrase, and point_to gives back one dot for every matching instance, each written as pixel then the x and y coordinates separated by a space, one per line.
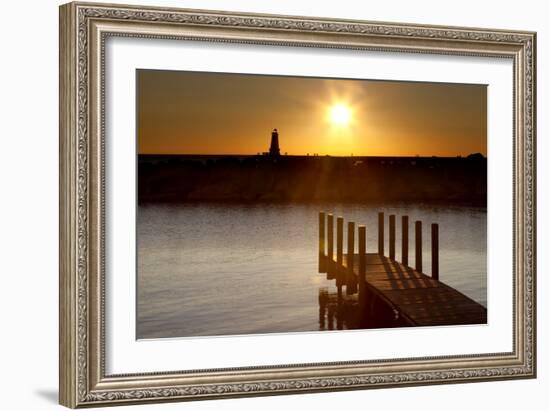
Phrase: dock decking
pixel 391 293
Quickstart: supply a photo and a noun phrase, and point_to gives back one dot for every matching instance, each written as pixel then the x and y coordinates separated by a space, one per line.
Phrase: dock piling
pixel 330 238
pixel 339 251
pixel 322 232
pixel 381 233
pixel 392 237
pixel 418 245
pixel 362 232
pixel 351 287
pixel 405 240
pixel 435 251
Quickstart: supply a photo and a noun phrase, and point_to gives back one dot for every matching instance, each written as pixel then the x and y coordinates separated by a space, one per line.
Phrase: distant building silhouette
pixel 274 150
pixel 475 156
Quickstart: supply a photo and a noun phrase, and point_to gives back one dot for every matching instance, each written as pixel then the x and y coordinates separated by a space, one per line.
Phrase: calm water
pixel 208 269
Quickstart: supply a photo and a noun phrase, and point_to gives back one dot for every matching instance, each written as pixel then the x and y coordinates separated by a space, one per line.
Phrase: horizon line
pixel 310 155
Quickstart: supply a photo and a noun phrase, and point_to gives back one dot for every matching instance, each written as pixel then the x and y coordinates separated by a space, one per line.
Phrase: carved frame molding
pixel 84 27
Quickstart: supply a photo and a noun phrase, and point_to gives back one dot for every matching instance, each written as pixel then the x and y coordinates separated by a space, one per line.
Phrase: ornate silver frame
pixel 83 30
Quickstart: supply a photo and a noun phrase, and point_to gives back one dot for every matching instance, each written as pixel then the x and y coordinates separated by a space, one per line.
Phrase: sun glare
pixel 340 115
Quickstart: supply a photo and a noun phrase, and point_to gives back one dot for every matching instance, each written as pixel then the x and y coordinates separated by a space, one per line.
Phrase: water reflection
pixel 337 311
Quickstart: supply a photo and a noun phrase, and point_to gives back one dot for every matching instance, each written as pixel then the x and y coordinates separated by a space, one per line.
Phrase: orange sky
pixel 210 113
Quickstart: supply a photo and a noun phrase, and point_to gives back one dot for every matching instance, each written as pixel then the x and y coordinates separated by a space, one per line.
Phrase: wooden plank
pixel 380 266
pixel 447 307
pixel 402 284
pixel 415 315
pixel 418 298
pixel 394 269
pixel 370 259
pixel 396 275
pixel 437 295
pixel 434 314
pixel 374 272
pixel 449 316
pixel 468 317
pixel 431 322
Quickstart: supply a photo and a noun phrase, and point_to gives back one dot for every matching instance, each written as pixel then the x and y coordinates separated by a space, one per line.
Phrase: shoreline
pixel 460 180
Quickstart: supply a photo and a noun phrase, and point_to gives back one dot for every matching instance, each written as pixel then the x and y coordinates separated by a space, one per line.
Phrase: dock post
pixel 418 245
pixel 330 239
pixel 322 232
pixel 350 276
pixel 405 240
pixel 381 233
pixel 339 252
pixel 435 251
pixel 362 270
pixel 392 237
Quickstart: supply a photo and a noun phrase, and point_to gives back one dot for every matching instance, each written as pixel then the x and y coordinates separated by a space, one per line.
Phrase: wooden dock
pixel 391 293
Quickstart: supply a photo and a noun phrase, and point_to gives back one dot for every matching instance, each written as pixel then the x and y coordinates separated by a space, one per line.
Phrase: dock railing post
pixel 392 237
pixel 362 232
pixel 435 251
pixel 322 232
pixel 418 245
pixel 381 233
pixel 350 280
pixel 405 240
pixel 339 251
pixel 330 239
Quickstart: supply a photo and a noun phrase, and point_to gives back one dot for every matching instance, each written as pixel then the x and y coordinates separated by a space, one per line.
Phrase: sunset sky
pixel 210 113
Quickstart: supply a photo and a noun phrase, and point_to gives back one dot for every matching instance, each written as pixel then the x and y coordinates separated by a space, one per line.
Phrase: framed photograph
pixel 259 204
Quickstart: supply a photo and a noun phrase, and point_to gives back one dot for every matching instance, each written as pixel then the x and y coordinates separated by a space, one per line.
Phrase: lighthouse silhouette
pixel 274 149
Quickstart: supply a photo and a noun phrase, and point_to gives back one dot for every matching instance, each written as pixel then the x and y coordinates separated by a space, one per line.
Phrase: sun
pixel 340 114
